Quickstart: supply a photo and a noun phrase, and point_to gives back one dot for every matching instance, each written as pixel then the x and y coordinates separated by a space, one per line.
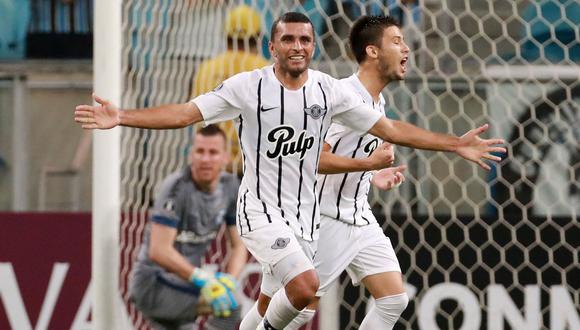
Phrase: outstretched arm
pixel 469 146
pixel 106 115
pixel 405 134
pixel 332 164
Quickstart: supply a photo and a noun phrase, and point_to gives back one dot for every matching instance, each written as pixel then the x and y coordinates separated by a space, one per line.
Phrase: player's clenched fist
pixel 104 115
pixel 382 157
pixel 217 290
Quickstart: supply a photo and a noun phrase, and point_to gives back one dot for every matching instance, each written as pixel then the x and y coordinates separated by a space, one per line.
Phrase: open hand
pixel 389 178
pixel 104 115
pixel 475 149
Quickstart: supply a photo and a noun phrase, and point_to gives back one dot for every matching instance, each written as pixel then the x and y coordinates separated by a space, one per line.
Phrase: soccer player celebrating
pixel 350 237
pixel 282 114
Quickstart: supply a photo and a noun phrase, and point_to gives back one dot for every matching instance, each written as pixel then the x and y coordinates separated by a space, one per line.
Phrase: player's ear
pixel 271 49
pixel 372 51
pixel 313 51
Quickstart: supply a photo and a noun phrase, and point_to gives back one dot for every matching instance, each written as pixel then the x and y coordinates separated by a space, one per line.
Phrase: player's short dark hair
pixel 368 30
pixel 211 130
pixel 290 17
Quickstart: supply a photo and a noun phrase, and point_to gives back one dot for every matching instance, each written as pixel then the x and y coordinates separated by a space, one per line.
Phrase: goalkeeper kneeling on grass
pixel 168 285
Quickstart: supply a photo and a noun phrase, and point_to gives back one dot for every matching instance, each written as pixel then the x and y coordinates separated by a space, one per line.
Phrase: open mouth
pixel 404 63
pixel 296 57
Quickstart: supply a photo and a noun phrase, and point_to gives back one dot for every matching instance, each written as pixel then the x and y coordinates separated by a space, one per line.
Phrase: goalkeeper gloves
pixel 228 280
pixel 217 290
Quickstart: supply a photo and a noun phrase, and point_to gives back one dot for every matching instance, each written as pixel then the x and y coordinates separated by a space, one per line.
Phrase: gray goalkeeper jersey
pixel 195 214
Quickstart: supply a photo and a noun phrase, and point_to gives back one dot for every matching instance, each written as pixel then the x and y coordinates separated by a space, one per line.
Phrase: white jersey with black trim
pixel 345 196
pixel 281 133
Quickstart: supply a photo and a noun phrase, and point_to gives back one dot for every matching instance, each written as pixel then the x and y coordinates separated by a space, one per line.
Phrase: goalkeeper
pixel 167 285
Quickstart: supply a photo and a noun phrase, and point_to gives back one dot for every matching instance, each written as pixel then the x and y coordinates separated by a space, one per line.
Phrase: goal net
pixel 478 250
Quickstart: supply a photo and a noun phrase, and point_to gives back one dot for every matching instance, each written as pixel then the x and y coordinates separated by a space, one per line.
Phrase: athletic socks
pixel 385 313
pixel 280 312
pixel 304 317
pixel 252 319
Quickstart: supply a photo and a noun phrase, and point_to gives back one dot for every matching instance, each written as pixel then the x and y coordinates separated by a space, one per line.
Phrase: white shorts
pixel 361 250
pixel 270 244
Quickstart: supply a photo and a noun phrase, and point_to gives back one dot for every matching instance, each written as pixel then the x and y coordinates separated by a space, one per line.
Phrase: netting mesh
pixel 463 236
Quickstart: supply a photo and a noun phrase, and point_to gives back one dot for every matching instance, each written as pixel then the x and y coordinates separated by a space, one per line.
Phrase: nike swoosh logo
pixel 267 109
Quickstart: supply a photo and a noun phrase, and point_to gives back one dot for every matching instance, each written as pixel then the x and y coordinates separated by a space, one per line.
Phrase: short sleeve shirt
pixel 281 132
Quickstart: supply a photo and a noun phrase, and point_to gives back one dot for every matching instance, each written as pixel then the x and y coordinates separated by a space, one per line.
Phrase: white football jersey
pixel 281 133
pixel 345 196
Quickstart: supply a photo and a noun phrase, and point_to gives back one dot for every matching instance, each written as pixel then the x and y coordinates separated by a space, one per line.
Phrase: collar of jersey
pixel 366 93
pixel 273 76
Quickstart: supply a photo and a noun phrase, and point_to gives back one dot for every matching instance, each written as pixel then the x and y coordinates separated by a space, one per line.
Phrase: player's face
pixel 292 47
pixel 393 54
pixel 208 157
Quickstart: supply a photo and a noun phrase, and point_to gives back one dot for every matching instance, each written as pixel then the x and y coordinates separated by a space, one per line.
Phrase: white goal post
pixel 108 309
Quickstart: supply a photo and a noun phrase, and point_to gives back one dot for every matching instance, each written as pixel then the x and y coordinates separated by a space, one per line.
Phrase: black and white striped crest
pixel 315 111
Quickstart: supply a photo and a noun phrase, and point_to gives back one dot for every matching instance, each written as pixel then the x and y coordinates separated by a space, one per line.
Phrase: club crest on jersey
pixel 280 243
pixel 315 111
pixel 286 143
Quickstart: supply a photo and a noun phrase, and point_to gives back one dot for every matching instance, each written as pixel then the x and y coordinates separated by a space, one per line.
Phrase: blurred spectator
pixel 60 29
pixel 14 17
pixel 243 30
pixel 545 16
